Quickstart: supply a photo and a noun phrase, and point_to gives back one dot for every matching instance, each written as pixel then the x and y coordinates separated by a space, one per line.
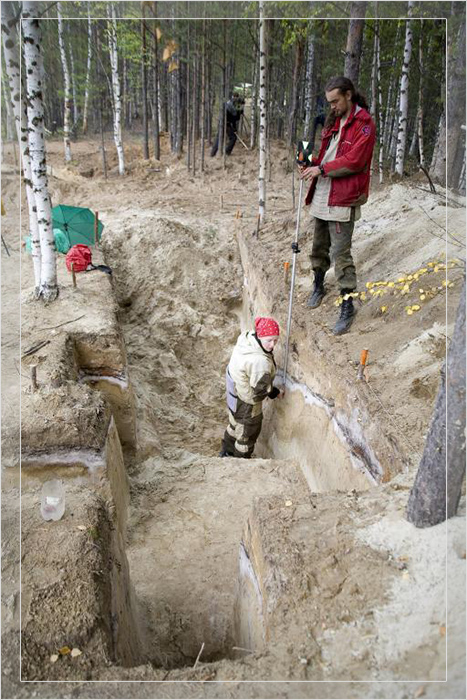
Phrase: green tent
pixel 61 242
pixel 77 223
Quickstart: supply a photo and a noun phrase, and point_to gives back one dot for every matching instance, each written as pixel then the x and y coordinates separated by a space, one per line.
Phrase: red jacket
pixel 350 171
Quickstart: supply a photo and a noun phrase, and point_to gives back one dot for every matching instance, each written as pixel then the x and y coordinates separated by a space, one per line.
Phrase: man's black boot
pixel 346 317
pixel 318 292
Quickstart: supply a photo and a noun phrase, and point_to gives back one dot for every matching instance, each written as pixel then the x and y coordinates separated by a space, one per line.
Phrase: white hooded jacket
pixel 252 369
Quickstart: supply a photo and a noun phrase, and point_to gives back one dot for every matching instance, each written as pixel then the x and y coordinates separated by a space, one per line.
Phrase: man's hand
pixel 310 173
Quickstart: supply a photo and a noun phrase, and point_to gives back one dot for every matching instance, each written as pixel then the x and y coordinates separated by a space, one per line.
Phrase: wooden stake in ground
pixel 73 274
pixel 34 385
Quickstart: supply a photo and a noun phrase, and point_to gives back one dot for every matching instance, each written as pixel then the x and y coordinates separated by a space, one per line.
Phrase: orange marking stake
pixel 286 272
pixel 362 365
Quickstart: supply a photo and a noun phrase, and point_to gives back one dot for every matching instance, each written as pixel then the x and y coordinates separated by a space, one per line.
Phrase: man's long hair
pixel 343 84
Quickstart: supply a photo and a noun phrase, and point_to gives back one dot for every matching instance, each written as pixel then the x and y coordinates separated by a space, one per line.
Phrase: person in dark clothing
pixel 233 110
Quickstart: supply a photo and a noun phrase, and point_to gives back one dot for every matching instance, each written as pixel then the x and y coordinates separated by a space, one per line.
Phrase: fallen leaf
pixel 54 658
pixel 419 692
pixel 75 652
pixel 416 307
pixel 64 651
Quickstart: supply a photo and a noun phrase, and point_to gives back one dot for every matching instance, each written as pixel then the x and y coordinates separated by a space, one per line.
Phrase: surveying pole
pixel 303 159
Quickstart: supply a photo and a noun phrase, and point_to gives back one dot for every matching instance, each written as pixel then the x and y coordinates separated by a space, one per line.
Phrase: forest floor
pixel 171 240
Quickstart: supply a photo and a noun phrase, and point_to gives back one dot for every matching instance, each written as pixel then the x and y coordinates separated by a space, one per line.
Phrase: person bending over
pixel 249 380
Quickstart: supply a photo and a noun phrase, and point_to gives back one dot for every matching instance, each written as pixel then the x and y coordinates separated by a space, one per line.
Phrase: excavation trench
pixel 180 551
pixel 183 298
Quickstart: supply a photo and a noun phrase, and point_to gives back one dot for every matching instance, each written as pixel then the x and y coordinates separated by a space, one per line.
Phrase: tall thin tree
pixel 404 95
pixel 353 49
pixel 48 289
pixel 17 99
pixel 67 82
pixel 262 113
pixel 116 87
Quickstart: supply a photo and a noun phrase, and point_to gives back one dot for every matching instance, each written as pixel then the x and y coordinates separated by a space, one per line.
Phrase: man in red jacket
pixel 340 181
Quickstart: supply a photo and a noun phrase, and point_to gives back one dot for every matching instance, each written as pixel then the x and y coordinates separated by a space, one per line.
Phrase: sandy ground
pixel 171 241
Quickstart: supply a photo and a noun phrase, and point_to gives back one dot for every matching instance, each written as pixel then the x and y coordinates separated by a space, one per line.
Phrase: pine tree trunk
pixel 203 94
pixel 353 49
pixel 88 73
pixel 116 89
pixel 66 77
pixel 35 108
pixel 18 104
pixel 404 96
pixel 292 126
pixel 262 114
pixel 456 99
pixel 444 453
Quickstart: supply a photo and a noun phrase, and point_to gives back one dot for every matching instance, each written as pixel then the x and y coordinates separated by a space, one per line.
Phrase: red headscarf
pixel 265 327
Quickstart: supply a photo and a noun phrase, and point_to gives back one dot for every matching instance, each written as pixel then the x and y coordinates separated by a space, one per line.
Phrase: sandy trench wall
pixel 322 422
pixel 73 432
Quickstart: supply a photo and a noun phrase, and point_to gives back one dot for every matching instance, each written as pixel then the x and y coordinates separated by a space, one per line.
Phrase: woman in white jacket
pixel 249 380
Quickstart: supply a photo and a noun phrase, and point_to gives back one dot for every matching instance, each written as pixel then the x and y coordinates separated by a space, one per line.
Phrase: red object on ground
pixel 80 255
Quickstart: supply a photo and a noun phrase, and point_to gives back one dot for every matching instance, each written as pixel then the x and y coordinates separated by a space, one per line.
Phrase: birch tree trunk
pixel 421 146
pixel 88 73
pixel 404 96
pixel 66 77
pixel 388 122
pixel 254 102
pixel 116 89
pixel 48 289
pixel 17 99
pixel 73 89
pixel 156 100
pixel 10 117
pixel 353 49
pixel 310 61
pixel 262 114
pixel 144 84
pixel 380 104
pixel 203 93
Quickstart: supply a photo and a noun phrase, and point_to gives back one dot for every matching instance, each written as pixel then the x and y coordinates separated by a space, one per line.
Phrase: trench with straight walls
pixel 194 576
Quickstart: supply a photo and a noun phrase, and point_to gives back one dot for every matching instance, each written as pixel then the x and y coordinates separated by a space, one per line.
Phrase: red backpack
pixel 80 255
